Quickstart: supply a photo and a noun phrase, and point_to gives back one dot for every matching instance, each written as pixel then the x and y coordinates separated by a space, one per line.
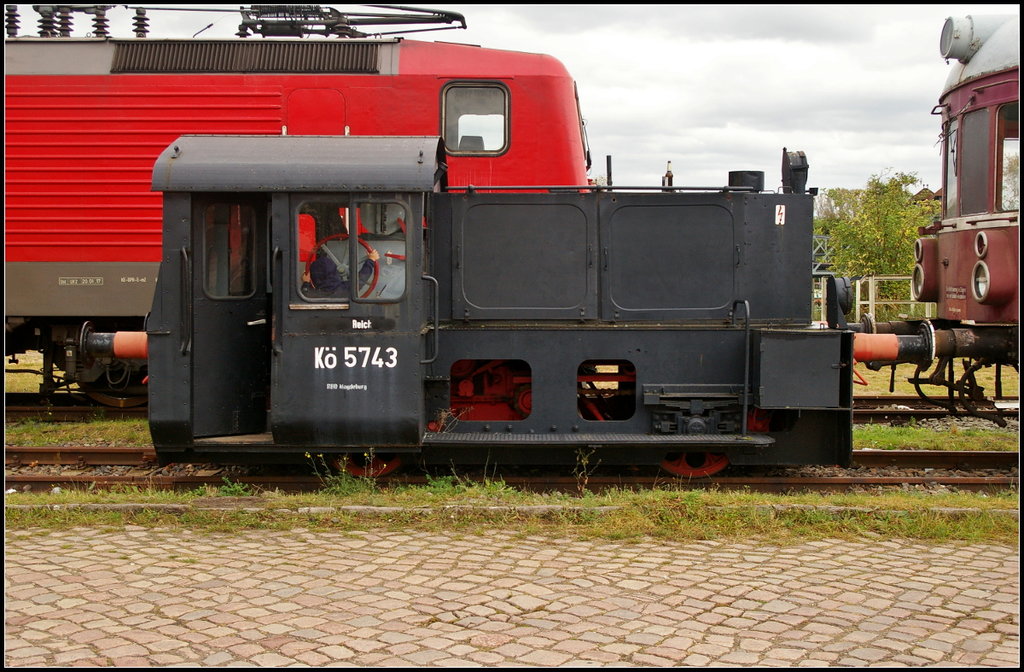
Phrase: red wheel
pixel 694 465
pixel 364 466
pixel 366 245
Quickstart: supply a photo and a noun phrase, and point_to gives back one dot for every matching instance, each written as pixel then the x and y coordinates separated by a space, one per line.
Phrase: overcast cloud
pixel 726 87
pixel 715 88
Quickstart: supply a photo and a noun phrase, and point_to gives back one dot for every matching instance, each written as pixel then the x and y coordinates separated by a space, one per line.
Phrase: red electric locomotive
pixel 85 119
pixel 967 262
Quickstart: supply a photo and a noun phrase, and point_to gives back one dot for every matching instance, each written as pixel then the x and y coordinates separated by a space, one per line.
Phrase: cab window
pixel 323 266
pixel 1008 161
pixel 975 162
pixel 475 119
pixel 382 235
pixel 229 243
pixel 326 258
pixel 952 202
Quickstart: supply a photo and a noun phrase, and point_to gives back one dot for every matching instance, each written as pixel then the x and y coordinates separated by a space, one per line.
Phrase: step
pixel 552 438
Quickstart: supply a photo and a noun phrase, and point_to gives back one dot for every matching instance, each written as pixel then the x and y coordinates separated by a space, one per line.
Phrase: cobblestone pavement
pixel 162 597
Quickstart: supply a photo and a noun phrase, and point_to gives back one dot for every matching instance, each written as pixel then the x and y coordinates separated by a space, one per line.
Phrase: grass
pixel 878 381
pixel 92 433
pixel 912 437
pixel 452 505
pixel 23 382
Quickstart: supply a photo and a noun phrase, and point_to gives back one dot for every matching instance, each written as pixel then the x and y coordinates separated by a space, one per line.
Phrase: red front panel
pixel 956 300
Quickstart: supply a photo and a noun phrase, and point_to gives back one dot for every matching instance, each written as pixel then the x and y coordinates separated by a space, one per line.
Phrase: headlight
pixel 981 244
pixel 917 283
pixel 981 281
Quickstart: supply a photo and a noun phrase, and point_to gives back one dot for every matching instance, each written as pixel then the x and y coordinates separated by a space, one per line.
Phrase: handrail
pixel 471 189
pixel 746 357
pixel 436 319
pixel 282 299
pixel 186 292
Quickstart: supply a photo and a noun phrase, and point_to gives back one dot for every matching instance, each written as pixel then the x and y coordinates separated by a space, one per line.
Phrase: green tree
pixel 872 230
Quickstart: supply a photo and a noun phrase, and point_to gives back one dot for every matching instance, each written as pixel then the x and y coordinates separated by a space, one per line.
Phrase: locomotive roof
pixel 392 56
pixel 300 163
pixel 995 47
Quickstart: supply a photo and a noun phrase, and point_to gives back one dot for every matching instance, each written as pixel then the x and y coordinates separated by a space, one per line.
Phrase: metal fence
pixel 873 294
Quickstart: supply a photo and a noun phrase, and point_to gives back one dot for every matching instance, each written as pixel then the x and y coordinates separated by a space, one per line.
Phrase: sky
pixel 713 88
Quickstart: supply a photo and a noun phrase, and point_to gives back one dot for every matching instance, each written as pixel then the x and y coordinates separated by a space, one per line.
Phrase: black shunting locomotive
pixel 334 295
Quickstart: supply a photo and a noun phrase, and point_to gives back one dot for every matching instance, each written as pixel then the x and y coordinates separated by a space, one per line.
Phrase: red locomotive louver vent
pixel 197 56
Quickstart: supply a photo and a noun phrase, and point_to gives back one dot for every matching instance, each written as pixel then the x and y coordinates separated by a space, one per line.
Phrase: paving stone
pixel 380 598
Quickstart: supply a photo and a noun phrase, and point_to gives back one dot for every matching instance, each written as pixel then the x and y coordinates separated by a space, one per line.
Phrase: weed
pixel 495 488
pixel 446 419
pixel 335 480
pixel 582 470
pixel 371 469
pixel 448 485
pixel 230 489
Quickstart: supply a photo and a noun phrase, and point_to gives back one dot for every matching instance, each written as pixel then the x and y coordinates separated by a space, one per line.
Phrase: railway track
pixel 75 466
pixel 780 484
pixel 871 469
pixel 895 409
pixel 899 409
pixel 66 407
pixel 83 456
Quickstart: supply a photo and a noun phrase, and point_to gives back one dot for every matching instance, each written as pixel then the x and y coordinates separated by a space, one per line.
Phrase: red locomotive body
pixel 87 117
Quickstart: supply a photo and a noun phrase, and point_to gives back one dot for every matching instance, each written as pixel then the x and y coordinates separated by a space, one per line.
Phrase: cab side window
pixel 382 235
pixel 975 162
pixel 1008 163
pixel 324 230
pixel 475 119
pixel 323 234
pixel 949 186
pixel 229 243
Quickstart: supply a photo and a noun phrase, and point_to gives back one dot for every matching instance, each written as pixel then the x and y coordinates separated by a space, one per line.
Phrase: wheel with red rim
pixel 368 466
pixel 694 465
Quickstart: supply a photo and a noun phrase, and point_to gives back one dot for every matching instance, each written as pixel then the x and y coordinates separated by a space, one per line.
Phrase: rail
pixel 784 484
pixel 17 456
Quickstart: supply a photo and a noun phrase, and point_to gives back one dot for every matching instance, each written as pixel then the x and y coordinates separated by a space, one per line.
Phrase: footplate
pixel 685 441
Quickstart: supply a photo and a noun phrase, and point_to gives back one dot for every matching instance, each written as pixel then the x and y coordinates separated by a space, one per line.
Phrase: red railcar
pixel 87 117
pixel 967 262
